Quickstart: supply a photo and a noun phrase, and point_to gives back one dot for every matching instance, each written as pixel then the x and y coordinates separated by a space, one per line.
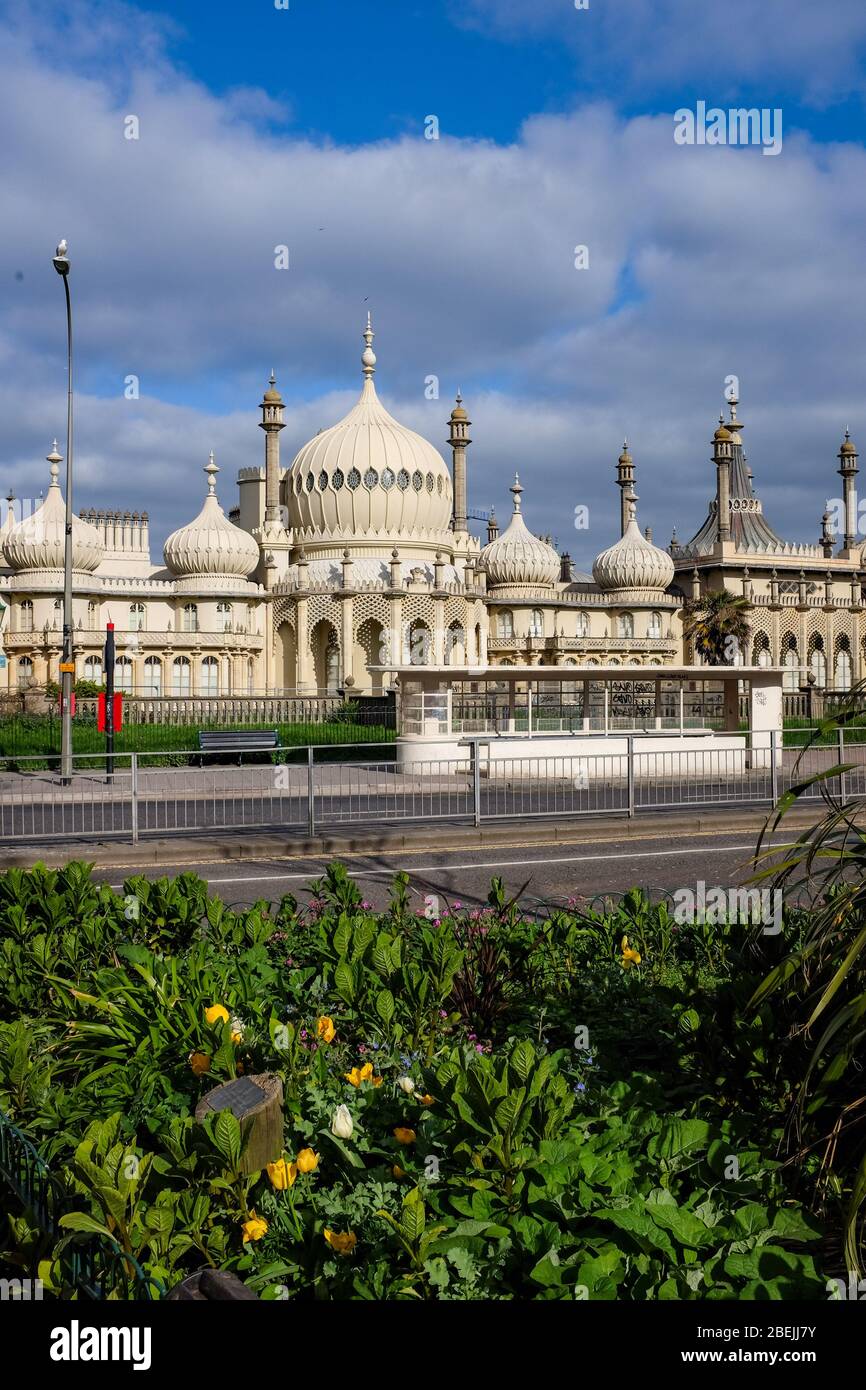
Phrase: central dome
pixel 369 475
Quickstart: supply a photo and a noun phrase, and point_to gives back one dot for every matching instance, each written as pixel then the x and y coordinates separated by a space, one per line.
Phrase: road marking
pixel 496 864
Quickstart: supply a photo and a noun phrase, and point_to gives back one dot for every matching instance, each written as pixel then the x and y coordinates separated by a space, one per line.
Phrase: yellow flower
pixel 630 957
pixel 200 1062
pixel 426 1100
pixel 343 1242
pixel 364 1073
pixel 282 1174
pixel 325 1029
pixel 404 1136
pixel 308 1161
pixel 255 1228
pixel 398 1171
pixel 217 1013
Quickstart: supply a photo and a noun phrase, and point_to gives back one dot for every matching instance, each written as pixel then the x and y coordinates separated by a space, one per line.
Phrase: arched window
pixel 209 676
pixel 842 669
pixel 25 671
pixel 93 669
pixel 180 672
pixel 93 614
pixel 224 617
pixel 27 615
pixel 136 617
pixel 625 625
pixel 655 625
pixel 791 663
pixel 123 674
pixel 152 676
pixel 536 623
pixel 818 663
pixel 582 626
pixel 419 642
pixel 57 617
pixel 190 617
pixel 505 623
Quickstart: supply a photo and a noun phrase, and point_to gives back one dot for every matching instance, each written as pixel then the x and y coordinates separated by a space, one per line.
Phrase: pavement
pixel 547 873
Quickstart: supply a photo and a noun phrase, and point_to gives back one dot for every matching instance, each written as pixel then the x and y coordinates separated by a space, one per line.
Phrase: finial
pixel 515 491
pixel 368 356
pixel 211 470
pixel 272 380
pixel 632 508
pixel 55 459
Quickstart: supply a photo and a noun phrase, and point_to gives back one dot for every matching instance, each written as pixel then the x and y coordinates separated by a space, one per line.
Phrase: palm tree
pixel 716 625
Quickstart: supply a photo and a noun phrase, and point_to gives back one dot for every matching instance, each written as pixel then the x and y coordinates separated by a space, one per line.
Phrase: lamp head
pixel 61 262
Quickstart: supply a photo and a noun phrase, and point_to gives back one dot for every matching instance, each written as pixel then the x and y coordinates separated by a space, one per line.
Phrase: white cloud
pixel 464 250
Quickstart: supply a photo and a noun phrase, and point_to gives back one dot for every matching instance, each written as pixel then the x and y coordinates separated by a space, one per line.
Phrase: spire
pixel 368 356
pixel 55 458
pixel 211 470
pixel 515 491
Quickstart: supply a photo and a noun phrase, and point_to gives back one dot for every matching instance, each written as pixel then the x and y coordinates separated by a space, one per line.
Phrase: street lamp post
pixel 67 664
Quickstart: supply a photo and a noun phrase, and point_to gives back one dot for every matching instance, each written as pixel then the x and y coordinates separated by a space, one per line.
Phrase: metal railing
pixel 306 790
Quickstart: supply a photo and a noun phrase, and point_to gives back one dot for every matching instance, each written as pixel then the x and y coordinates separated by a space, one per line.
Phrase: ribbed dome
pixel 368 474
pixel 518 557
pixel 210 547
pixel 633 563
pixel 38 541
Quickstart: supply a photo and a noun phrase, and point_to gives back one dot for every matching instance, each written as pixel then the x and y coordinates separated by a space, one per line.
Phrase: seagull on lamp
pixel 61 262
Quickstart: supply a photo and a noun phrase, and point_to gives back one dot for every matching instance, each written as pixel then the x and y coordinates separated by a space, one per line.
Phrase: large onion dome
pixel 518 557
pixel 368 474
pixel 634 563
pixel 38 541
pixel 211 547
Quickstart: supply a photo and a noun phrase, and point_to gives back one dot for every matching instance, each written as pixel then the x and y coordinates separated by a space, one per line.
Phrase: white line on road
pixel 497 864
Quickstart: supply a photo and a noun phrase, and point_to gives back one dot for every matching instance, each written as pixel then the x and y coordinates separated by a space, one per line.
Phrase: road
pixel 550 873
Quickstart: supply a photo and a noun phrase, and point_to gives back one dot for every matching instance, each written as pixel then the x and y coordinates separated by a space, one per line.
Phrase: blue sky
pixel 306 127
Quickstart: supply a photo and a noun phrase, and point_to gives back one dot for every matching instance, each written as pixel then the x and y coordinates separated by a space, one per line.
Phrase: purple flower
pixel 361 1048
pixel 365 903
pixel 472 1036
pixel 443 1013
pixel 479 1047
pixel 304 1033
pixel 457 906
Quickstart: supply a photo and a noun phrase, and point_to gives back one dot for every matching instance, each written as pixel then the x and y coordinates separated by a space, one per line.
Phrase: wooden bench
pixel 238 741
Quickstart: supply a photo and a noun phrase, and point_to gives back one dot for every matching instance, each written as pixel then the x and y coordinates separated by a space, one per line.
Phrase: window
pixel 582 627
pixel 136 617
pixel 791 663
pixel 27 615
pixel 58 613
pixel 655 625
pixel 152 676
pixel 209 676
pixel 505 624
pixel 818 665
pixel 93 613
pixel 625 625
pixel 25 672
pixel 123 674
pixel 842 672
pixel 224 617
pixel 180 675
pixel 190 617
pixel 93 669
pixel 536 623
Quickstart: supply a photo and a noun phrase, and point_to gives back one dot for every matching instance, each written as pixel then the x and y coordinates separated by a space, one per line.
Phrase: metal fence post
pixel 630 743
pixel 311 793
pixel 774 766
pixel 841 760
pixel 134 765
pixel 476 781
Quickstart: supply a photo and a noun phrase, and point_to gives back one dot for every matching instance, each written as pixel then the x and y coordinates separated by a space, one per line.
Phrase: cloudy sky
pixel 304 126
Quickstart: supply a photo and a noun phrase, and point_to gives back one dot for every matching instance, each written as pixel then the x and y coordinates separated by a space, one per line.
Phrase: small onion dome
pixel 848 445
pixel 458 413
pixel 518 557
pixel 272 395
pixel 722 435
pixel 633 563
pixel 625 456
pixel 210 546
pixel 38 541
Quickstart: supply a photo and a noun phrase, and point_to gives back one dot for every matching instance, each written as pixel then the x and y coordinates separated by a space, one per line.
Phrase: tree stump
pixel 257 1102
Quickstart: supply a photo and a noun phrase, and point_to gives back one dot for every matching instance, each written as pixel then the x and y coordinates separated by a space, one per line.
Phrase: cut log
pixel 257 1101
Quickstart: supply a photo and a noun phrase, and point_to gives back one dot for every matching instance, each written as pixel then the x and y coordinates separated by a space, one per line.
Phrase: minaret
pixel 272 422
pixel 492 526
pixel 722 446
pixel 459 439
pixel 625 482
pixel 848 473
